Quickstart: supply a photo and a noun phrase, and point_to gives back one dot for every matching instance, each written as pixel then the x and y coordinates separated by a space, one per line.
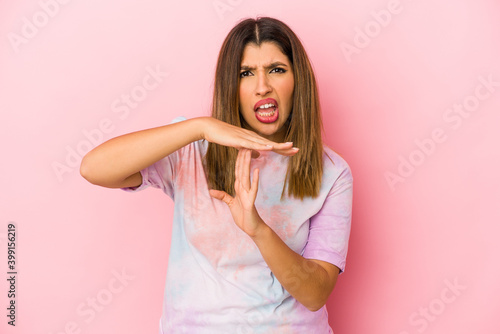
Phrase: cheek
pixel 290 86
pixel 243 95
pixel 245 107
pixel 287 91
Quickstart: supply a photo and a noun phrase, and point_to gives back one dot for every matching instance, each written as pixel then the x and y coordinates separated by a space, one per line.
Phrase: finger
pixel 267 145
pixel 252 140
pixel 279 146
pixel 237 166
pixel 239 170
pixel 221 195
pixel 245 176
pixel 256 145
pixel 287 152
pixel 255 181
pixel 239 178
pixel 282 145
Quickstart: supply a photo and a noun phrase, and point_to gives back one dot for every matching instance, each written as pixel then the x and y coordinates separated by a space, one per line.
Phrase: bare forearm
pixel 116 159
pixel 304 279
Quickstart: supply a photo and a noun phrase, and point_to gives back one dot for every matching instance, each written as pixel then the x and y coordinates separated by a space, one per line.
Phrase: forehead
pixel 264 54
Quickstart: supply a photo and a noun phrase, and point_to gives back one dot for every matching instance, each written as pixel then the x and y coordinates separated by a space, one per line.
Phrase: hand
pixel 242 206
pixel 222 133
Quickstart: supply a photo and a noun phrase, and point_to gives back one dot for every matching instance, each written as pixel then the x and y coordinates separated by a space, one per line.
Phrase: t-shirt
pixel 217 280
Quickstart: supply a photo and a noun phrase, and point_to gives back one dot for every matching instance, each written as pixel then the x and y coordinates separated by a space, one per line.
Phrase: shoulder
pixel 178 119
pixel 334 164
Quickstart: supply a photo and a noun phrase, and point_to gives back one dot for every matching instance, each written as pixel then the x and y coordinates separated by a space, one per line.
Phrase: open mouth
pixel 267 112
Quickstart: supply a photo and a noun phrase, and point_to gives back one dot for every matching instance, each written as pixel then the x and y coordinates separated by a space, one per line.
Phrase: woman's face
pixel 266 77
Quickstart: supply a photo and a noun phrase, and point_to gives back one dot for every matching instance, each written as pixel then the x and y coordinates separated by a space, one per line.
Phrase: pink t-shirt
pixel 217 280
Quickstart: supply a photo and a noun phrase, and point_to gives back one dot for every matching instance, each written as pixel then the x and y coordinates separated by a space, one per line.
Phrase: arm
pixel 117 162
pixel 309 281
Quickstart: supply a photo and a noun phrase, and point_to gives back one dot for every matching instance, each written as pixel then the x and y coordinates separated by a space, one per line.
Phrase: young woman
pixel 262 207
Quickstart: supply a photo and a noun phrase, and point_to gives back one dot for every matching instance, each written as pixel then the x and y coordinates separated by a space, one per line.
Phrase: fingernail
pixel 289 142
pixel 295 148
pixel 269 145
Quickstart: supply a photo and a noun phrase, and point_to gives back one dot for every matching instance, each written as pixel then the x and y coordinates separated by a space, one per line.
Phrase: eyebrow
pixel 274 64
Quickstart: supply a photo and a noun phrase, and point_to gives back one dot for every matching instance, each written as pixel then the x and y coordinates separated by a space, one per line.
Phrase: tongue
pixel 266 109
pixel 270 118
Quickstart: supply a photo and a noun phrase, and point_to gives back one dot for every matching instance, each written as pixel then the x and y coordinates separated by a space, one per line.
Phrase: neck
pixel 277 137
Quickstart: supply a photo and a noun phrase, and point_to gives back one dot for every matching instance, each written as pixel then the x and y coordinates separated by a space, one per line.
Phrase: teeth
pixel 266 113
pixel 265 106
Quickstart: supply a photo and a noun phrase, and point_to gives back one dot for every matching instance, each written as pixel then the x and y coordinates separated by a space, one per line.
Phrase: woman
pixel 251 252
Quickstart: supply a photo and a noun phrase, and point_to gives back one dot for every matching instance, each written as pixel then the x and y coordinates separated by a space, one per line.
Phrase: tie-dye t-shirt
pixel 217 280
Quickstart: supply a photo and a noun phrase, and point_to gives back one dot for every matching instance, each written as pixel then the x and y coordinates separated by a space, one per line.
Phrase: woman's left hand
pixel 242 206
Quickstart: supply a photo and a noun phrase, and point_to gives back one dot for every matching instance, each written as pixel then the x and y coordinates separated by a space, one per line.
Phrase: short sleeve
pixel 160 174
pixel 330 228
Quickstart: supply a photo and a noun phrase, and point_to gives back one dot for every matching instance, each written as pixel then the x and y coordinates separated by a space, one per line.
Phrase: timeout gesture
pixel 222 133
pixel 242 205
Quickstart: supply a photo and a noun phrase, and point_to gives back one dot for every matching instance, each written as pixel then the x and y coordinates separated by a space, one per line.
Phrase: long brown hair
pixel 304 125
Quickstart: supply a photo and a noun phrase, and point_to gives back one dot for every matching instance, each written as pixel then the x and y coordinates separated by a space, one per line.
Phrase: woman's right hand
pixel 222 133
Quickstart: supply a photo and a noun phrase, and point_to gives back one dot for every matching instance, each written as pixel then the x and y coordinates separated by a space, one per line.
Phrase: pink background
pixel 436 226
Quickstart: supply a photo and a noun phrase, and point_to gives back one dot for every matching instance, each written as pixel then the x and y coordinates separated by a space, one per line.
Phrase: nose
pixel 263 85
